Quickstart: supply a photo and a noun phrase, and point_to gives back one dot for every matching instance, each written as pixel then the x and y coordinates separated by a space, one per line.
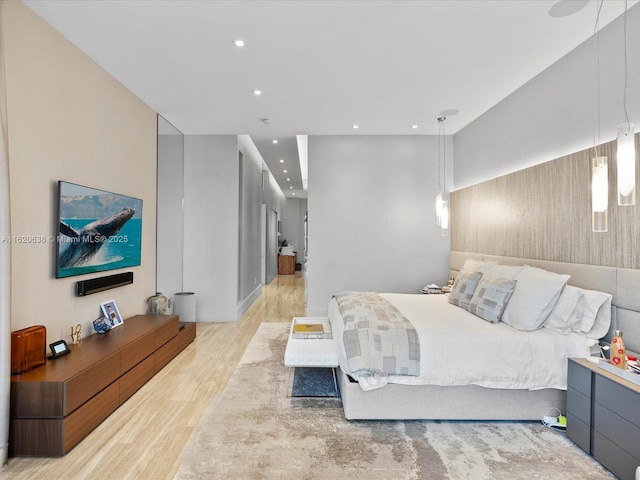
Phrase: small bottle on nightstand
pixel 618 352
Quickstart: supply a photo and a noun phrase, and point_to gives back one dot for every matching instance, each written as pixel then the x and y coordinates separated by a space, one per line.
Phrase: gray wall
pixel 222 224
pixel 372 223
pixel 555 114
pixel 211 175
pixel 253 193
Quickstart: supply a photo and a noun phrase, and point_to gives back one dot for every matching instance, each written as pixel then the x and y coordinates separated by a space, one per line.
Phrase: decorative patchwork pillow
pixel 535 295
pixel 490 298
pixel 463 288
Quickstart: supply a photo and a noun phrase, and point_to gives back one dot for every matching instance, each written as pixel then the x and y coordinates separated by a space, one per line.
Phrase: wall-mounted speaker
pixel 95 285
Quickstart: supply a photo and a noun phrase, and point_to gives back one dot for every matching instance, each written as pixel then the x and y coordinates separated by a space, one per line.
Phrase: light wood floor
pixel 144 438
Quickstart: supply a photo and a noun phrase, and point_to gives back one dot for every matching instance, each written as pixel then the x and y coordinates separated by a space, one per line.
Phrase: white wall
pixel 293 225
pixel 372 223
pixel 211 225
pixel 555 114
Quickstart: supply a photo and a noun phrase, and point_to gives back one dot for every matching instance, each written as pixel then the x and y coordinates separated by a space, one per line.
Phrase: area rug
pixel 256 430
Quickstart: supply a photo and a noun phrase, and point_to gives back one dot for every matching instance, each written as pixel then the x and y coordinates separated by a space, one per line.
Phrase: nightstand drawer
pixel 618 399
pixel 619 462
pixel 618 430
pixel 579 405
pixel 579 432
pixel 579 378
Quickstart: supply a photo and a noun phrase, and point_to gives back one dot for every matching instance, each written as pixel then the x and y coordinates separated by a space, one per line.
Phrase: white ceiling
pixel 322 66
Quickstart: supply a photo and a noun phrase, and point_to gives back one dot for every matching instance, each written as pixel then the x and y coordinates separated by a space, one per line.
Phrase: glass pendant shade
pixel 439 207
pixel 444 219
pixel 599 194
pixel 626 165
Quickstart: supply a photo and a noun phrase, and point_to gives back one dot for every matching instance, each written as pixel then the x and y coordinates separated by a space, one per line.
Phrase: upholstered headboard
pixel 622 283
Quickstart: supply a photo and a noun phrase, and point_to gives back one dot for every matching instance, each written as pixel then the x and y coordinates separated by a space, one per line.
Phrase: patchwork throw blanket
pixel 378 339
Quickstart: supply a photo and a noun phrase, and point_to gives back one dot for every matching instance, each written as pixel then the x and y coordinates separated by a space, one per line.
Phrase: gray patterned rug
pixel 256 430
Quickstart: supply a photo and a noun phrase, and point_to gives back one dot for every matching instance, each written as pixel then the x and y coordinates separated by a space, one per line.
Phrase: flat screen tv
pixel 97 230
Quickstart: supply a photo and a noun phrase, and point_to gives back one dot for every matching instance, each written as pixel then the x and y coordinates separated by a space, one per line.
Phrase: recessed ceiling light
pixel 294 194
pixel 356 127
pixel 275 141
pixel 239 42
pixel 290 188
pixel 284 171
pixel 282 160
pixel 257 92
pixel 288 179
pixel 414 126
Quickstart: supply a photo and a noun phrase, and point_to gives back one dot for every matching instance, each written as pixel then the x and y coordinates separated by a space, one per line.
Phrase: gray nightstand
pixel 603 416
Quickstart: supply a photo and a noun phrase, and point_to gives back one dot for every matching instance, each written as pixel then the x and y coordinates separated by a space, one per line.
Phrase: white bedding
pixel 458 348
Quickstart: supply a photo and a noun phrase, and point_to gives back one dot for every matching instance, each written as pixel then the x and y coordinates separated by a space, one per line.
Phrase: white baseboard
pixel 244 305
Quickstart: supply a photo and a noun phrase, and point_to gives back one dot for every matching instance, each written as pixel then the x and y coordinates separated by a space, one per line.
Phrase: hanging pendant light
pixel 626 151
pixel 626 154
pixel 599 164
pixel 442 204
pixel 444 220
pixel 599 194
pixel 439 207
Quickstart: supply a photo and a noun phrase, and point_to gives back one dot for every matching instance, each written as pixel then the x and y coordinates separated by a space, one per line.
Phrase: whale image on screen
pixel 97 230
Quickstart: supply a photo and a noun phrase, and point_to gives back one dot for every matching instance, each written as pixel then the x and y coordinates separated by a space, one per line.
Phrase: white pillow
pixel 596 320
pixel 535 295
pixel 510 272
pixel 477 266
pixel 567 314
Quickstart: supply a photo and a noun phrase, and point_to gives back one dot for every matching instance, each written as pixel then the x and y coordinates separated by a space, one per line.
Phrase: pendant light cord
pixel 442 146
pixel 624 97
pixel 596 34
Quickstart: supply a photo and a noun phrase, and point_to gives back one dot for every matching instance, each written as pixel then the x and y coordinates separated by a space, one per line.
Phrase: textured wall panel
pixel 544 212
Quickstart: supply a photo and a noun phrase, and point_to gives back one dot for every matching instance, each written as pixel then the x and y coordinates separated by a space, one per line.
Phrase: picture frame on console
pixel 112 314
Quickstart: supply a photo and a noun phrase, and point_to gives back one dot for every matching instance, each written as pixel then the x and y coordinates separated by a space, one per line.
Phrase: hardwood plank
pixel 143 439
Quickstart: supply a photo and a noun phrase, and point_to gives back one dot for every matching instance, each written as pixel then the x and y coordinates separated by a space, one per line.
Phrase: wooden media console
pixel 56 405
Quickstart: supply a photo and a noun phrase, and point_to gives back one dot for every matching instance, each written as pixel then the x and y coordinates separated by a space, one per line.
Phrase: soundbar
pixel 95 285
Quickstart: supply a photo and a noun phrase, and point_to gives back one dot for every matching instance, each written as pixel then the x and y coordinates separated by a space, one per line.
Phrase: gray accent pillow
pixel 490 298
pixel 463 288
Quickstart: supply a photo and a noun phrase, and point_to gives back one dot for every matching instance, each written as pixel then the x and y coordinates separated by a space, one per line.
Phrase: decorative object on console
pixel 59 349
pixel 28 348
pixel 95 285
pixel 97 230
pixel 110 310
pixel 157 304
pixel 76 334
pixel 101 325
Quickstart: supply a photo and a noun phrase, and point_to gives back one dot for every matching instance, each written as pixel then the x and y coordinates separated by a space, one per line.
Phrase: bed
pixel 476 381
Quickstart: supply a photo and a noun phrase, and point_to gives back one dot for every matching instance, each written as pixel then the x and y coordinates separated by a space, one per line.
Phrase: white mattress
pixel 459 348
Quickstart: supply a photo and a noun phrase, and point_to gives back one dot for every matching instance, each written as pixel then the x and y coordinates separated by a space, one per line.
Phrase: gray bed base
pixel 431 402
